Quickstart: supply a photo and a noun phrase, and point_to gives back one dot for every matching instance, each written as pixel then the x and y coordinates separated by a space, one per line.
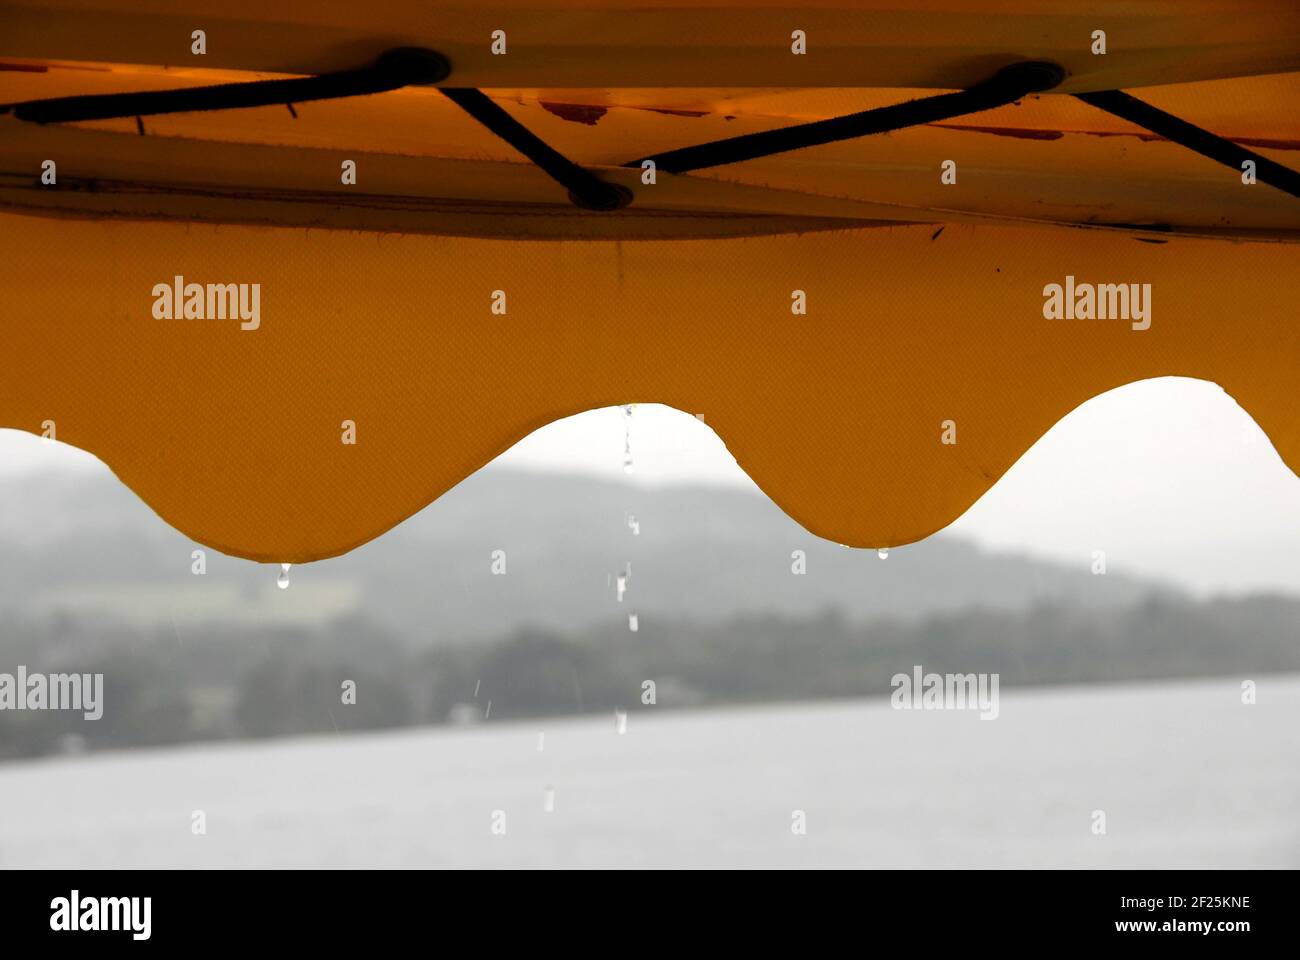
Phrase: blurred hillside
pixel 92 582
pixel 87 547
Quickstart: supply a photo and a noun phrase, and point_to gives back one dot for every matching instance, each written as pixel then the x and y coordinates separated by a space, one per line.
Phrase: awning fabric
pixel 925 300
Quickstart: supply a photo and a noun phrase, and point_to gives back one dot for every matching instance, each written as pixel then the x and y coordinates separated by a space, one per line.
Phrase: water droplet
pixel 487 712
pixel 282 581
pixel 627 438
pixel 477 683
pixel 883 553
pixel 620 721
pixel 548 800
pixel 541 741
pixel 632 622
pixel 634 525
pixel 621 586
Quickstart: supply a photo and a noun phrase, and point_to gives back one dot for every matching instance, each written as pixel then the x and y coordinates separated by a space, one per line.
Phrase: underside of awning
pixel 458 296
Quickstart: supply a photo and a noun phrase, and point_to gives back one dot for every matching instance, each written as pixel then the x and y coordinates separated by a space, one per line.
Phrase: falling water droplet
pixel 632 622
pixel 548 800
pixel 883 553
pixel 541 741
pixel 634 525
pixel 282 581
pixel 477 683
pixel 627 438
pixel 621 586
pixel 620 721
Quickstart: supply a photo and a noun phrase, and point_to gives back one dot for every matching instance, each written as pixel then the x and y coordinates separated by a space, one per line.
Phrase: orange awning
pixel 925 300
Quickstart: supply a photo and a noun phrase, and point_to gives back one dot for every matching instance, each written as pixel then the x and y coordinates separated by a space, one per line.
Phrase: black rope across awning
pixel 1192 137
pixel 401 67
pixel 585 188
pixel 408 66
pixel 1007 86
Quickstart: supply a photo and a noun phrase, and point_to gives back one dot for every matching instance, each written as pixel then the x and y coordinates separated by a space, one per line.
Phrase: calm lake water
pixel 1187 777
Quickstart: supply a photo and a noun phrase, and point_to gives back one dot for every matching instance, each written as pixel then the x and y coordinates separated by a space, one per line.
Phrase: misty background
pixel 1195 511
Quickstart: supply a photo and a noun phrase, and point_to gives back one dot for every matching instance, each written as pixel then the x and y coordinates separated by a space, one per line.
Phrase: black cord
pixel 406 66
pixel 394 69
pixel 1192 137
pixel 1008 85
pixel 585 188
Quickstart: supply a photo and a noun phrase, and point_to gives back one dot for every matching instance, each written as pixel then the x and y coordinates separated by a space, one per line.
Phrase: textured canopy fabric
pixel 925 318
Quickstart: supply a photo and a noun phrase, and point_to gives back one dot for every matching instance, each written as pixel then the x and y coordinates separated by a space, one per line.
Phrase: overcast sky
pixel 1170 477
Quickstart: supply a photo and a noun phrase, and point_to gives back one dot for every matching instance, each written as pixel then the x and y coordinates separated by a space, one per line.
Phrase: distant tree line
pixel 226 682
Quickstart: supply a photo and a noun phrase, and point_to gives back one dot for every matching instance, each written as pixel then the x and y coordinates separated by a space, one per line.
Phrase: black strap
pixel 585 188
pixel 1008 85
pixel 1193 137
pixel 406 66
pixel 395 68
